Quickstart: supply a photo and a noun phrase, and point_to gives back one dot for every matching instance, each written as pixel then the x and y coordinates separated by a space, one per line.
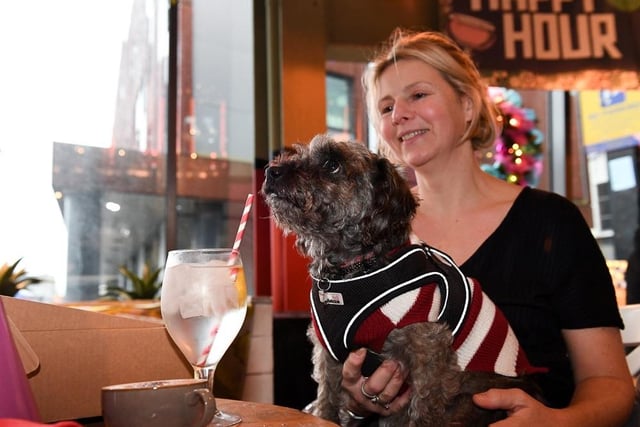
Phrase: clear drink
pixel 204 303
pixel 203 309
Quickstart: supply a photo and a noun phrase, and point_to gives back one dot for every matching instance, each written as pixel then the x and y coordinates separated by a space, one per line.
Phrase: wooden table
pixel 263 415
pixel 255 415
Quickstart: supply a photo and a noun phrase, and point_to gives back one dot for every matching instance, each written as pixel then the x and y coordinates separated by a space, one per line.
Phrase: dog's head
pixel 340 199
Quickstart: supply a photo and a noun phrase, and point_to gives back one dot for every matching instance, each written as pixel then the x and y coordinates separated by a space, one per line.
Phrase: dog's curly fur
pixel 344 202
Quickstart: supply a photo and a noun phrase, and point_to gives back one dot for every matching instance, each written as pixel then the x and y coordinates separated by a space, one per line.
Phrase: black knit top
pixel 544 269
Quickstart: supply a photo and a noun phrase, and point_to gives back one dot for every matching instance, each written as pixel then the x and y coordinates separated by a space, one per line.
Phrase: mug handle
pixel 208 401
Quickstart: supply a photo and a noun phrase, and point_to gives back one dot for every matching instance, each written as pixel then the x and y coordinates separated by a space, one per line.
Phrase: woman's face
pixel 421 117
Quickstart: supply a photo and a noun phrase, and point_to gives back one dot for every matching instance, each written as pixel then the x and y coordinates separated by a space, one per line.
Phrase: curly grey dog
pixel 351 212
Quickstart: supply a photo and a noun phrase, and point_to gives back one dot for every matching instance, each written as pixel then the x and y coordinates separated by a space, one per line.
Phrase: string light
pixel 517 154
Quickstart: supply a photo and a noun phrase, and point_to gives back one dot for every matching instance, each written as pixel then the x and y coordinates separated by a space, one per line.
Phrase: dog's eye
pixel 333 166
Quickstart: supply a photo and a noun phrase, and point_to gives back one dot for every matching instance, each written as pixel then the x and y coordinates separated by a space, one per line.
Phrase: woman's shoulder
pixel 546 210
pixel 536 199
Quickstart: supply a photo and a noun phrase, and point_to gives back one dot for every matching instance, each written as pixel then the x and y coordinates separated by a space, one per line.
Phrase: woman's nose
pixel 401 112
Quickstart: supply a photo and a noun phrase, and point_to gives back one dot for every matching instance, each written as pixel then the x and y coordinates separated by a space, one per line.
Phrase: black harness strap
pixel 341 306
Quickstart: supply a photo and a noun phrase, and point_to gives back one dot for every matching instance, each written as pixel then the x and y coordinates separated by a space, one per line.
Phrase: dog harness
pixel 421 284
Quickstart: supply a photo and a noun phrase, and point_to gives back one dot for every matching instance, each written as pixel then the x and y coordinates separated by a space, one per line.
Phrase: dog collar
pixel 356 298
pixel 366 263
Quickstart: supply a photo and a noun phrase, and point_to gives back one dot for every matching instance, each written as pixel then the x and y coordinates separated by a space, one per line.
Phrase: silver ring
pixel 372 397
pixel 353 415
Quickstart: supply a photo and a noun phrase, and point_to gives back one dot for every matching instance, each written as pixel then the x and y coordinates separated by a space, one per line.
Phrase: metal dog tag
pixel 333 298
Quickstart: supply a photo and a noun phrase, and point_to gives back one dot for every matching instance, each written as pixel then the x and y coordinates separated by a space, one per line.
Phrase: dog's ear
pixel 394 203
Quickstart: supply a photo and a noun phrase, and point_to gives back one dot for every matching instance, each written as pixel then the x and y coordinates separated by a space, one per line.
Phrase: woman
pixel 532 250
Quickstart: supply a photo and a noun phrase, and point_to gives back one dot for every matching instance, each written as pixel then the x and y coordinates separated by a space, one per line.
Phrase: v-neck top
pixel 544 269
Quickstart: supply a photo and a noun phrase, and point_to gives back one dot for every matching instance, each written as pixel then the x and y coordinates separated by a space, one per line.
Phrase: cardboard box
pixel 70 354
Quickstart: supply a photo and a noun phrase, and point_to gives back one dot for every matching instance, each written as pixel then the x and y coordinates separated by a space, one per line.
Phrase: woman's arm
pixel 603 397
pixel 604 393
pixel 604 388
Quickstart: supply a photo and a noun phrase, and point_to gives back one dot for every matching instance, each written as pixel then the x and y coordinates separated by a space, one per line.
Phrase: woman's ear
pixel 467 106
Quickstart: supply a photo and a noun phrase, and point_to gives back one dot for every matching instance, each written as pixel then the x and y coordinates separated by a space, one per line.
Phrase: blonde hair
pixel 455 66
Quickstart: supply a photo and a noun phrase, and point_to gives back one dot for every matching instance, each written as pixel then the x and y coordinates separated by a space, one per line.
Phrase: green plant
pixel 12 280
pixel 145 286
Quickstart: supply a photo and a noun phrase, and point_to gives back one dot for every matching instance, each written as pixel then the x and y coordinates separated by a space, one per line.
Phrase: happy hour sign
pixel 529 38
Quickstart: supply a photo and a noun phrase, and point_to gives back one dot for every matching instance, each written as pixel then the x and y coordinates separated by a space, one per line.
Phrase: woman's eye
pixel 419 95
pixel 332 166
pixel 386 109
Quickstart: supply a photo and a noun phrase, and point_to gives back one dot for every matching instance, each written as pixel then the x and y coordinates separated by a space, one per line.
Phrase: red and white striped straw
pixel 243 224
pixel 204 355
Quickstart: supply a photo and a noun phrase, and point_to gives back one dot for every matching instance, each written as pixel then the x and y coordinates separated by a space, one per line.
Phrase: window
pixel 83 165
pixel 340 108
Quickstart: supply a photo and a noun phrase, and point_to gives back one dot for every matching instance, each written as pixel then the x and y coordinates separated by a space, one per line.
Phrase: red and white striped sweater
pixel 420 285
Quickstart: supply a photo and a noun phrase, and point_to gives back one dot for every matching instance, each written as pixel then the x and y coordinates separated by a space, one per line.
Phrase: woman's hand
pixel 604 393
pixel 386 383
pixel 522 409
